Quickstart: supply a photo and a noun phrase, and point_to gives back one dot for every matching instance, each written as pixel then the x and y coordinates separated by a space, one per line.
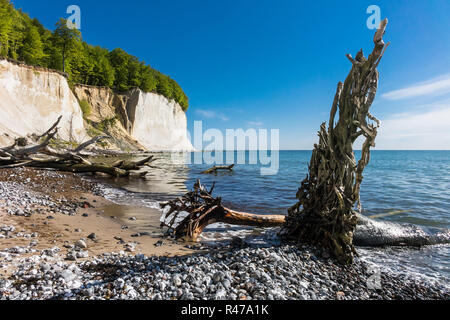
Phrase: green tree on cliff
pixel 66 38
pixel 6 27
pixel 163 86
pixel 119 60
pixel 147 79
pixel 33 48
pixel 102 72
pixel 26 39
pixel 17 33
pixel 80 64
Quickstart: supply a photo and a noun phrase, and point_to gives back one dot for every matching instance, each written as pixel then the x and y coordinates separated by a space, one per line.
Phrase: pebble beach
pixel 43 262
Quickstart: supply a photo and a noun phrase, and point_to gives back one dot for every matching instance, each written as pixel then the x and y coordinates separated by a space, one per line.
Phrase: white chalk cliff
pixel 31 99
pixel 157 123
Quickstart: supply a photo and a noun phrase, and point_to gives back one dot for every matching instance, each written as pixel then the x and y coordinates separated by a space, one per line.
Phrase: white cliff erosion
pixel 31 99
pixel 144 120
pixel 157 123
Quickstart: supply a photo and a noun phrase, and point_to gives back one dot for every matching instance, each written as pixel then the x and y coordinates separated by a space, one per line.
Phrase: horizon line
pixel 312 150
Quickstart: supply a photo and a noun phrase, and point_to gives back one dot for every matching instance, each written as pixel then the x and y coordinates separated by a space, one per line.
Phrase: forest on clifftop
pixel 26 39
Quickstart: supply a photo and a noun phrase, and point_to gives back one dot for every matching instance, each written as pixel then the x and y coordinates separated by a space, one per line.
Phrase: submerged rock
pixel 370 232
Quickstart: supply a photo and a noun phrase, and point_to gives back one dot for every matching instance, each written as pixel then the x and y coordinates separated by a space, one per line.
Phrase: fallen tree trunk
pixel 192 213
pixel 81 168
pixel 136 165
pixel 41 155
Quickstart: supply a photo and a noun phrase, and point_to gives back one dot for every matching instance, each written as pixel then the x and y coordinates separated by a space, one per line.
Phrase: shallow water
pixel 414 184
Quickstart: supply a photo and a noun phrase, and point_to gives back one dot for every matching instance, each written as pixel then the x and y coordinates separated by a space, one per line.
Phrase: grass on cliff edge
pixel 85 108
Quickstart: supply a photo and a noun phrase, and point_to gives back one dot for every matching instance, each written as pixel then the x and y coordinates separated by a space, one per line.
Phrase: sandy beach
pixel 54 225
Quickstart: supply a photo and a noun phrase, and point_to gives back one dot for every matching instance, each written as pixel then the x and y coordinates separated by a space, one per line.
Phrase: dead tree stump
pixel 324 215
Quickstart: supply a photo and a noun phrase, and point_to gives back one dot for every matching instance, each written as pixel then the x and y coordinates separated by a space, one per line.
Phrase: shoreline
pixel 44 215
pixel 70 209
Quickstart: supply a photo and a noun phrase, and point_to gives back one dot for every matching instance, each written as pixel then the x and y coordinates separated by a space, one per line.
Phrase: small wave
pixel 125 197
pixel 414 264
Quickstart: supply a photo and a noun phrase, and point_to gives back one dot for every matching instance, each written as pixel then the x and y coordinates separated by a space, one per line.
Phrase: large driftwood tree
pixel 325 213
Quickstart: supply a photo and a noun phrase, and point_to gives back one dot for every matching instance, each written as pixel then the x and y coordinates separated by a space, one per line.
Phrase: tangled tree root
pixel 190 214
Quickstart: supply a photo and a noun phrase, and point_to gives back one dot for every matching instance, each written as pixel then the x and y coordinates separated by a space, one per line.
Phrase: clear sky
pixel 275 64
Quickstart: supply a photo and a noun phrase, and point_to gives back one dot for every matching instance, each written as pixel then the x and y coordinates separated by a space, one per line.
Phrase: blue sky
pixel 275 64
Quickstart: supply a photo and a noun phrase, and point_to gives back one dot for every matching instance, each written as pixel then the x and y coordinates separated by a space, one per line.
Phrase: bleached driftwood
pixel 41 155
pixel 190 214
pixel 218 168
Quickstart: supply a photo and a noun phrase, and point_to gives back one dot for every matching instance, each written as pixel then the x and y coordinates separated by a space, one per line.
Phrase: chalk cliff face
pixel 32 99
pixel 105 104
pixel 145 120
pixel 157 123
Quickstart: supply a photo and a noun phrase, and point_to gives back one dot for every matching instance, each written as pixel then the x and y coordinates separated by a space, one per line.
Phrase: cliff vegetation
pixel 26 39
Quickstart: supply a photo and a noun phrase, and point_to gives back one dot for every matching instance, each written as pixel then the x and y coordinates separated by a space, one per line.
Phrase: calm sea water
pixel 416 182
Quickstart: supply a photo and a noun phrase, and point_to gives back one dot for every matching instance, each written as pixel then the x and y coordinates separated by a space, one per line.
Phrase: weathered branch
pixel 53 127
pixel 218 168
pixel 136 165
pixel 16 165
pixel 86 144
pixel 65 155
pixel 30 150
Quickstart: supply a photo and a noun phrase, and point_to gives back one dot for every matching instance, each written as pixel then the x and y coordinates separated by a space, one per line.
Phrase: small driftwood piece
pixel 190 214
pixel 90 142
pixel 218 168
pixel 52 128
pixel 41 155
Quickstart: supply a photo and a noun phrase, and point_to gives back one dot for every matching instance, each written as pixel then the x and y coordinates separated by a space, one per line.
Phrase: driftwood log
pixel 41 155
pixel 190 214
pixel 219 168
pixel 325 213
